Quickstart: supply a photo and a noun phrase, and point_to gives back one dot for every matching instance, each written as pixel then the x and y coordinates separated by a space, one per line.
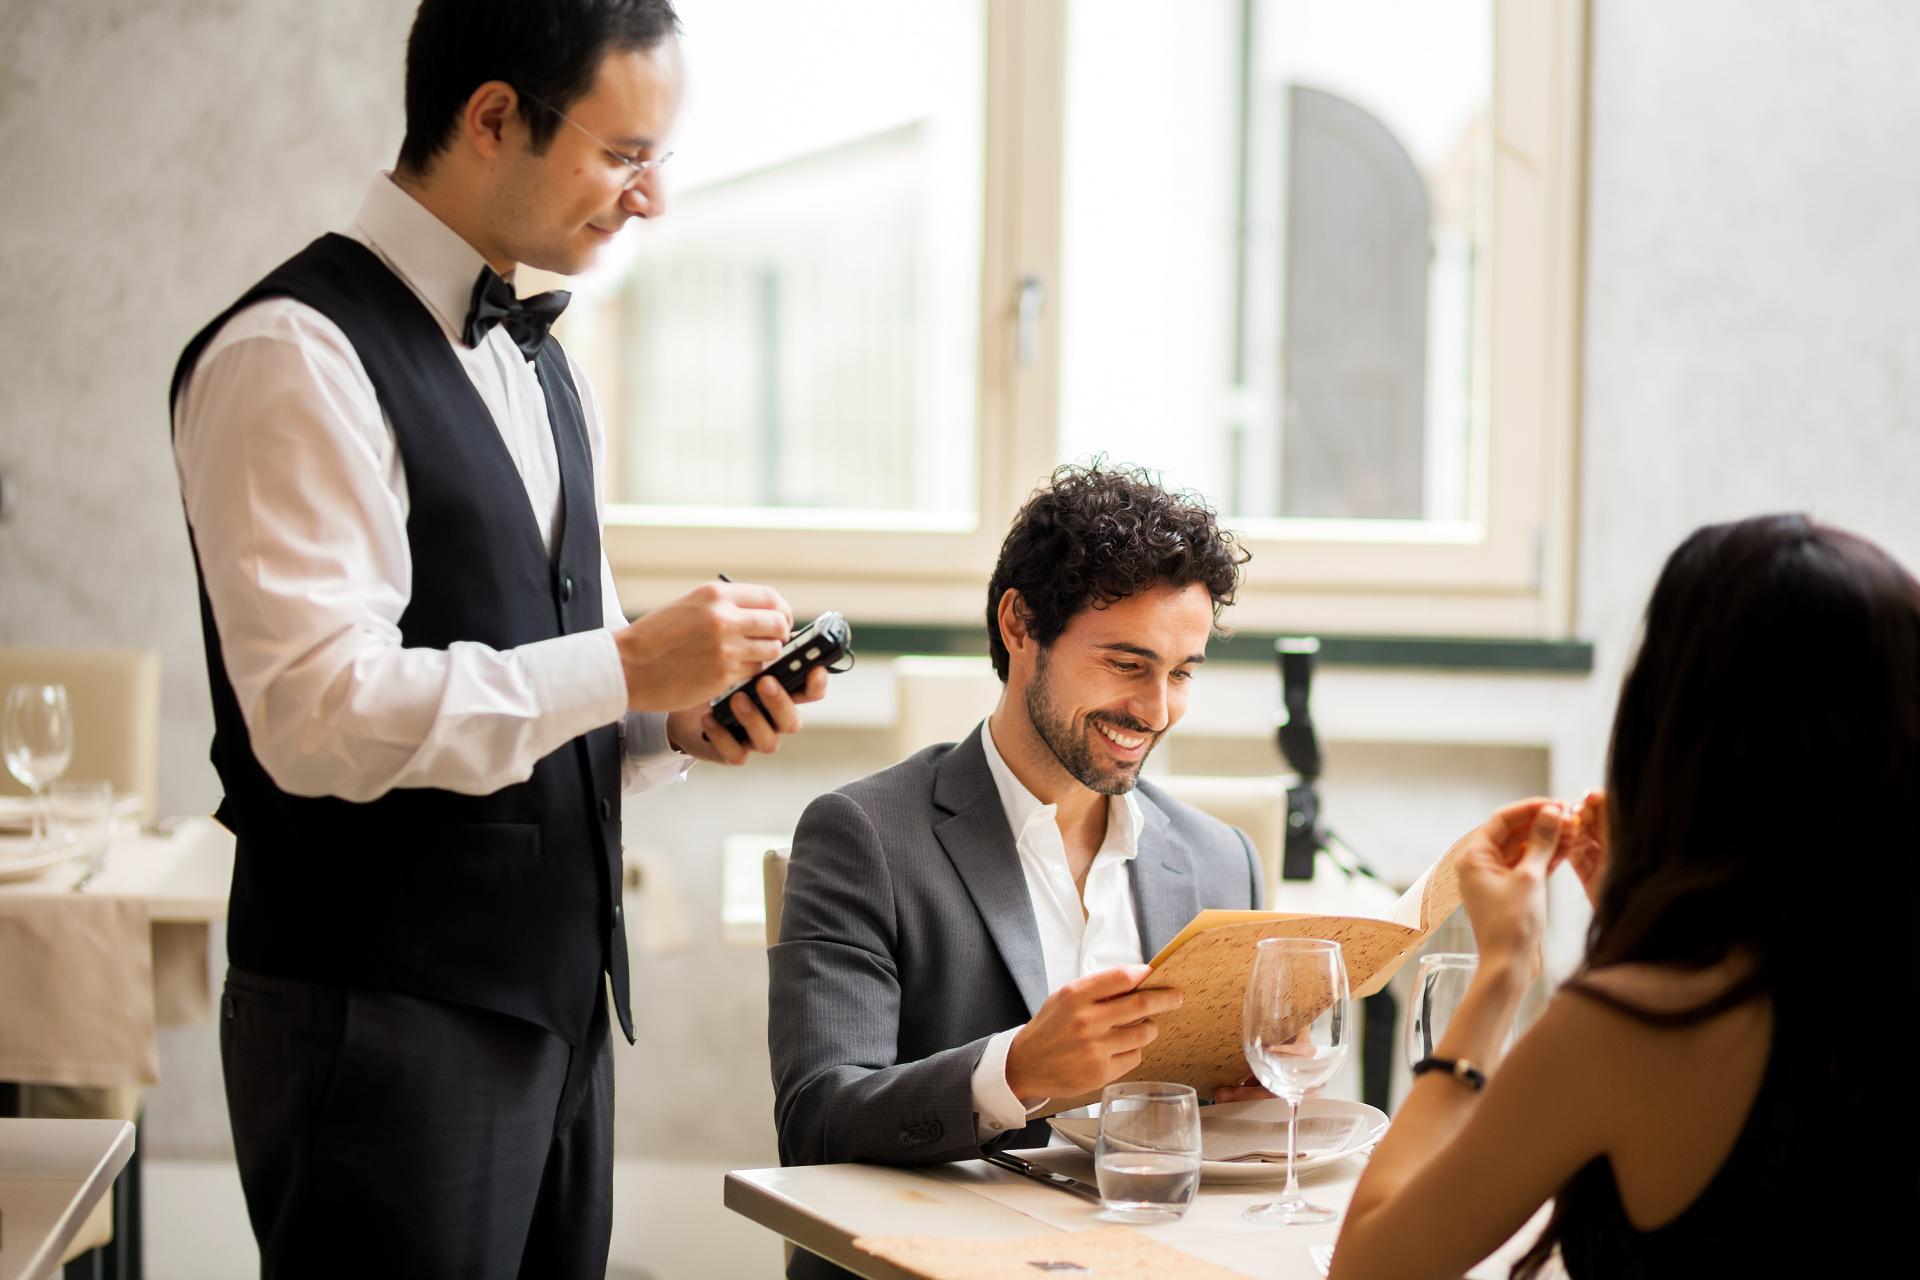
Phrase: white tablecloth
pixel 87 978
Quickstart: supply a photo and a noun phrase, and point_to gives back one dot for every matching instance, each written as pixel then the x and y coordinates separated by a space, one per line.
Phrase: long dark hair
pixel 1761 786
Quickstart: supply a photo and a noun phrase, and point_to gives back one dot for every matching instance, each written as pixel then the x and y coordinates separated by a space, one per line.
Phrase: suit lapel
pixel 978 841
pixel 1165 893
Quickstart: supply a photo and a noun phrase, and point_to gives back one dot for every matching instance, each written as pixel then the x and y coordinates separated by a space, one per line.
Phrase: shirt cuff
pixel 995 1109
pixel 577 679
pixel 647 759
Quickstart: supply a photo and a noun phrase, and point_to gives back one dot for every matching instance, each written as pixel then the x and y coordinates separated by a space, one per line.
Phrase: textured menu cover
pixel 1211 959
pixel 1109 1253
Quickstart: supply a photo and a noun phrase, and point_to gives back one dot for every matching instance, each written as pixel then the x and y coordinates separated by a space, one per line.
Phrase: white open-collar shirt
pixel 1079 934
pixel 297 498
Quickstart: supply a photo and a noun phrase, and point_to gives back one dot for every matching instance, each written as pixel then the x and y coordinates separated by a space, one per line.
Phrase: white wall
pixel 1754 260
pixel 1753 268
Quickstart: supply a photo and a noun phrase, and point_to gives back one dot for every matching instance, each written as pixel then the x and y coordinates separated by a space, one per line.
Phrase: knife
pixel 1026 1169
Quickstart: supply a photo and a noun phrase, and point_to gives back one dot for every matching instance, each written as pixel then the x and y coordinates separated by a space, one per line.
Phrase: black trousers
pixel 384 1134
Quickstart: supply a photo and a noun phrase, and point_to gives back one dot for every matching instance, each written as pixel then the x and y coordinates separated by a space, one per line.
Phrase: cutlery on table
pixel 1026 1169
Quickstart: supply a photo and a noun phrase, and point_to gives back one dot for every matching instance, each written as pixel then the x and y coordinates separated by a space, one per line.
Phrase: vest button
pixel 566 589
pixel 606 809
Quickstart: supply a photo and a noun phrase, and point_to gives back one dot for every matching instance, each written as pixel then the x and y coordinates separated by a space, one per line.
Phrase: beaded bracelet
pixel 1459 1068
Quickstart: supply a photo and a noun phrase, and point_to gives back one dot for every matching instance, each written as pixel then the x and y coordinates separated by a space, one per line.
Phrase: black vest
pixel 508 901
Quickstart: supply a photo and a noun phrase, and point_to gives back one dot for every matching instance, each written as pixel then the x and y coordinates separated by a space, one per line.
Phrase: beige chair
pixel 940 700
pixel 115 698
pixel 773 878
pixel 114 695
pixel 1256 805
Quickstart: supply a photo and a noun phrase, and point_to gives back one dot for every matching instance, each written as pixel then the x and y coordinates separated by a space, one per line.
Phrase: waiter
pixel 427 703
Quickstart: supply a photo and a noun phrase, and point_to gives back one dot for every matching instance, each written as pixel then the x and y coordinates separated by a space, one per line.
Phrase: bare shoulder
pixel 1619 1010
pixel 1663 989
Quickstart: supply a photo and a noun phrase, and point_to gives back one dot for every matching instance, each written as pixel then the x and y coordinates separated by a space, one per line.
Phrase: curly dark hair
pixel 1096 534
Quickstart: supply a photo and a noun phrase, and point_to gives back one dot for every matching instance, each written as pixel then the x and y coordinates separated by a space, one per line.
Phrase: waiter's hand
pixel 701 645
pixel 695 731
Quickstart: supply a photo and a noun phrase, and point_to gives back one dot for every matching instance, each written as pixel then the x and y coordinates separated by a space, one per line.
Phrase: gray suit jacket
pixel 907 941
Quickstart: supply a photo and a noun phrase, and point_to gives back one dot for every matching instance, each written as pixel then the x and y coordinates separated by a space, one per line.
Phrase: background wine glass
pixel 1439 984
pixel 1297 1026
pixel 36 740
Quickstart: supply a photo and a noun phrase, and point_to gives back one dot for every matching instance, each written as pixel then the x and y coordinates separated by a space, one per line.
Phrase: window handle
pixel 1029 300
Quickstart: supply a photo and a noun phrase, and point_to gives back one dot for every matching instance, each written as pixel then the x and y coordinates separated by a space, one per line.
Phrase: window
pixel 1317 261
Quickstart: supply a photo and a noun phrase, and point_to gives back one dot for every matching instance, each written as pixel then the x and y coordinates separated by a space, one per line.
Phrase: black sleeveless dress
pixel 1795 1195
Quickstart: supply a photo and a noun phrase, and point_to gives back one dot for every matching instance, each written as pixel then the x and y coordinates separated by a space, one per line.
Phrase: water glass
pixel 80 819
pixel 1147 1153
pixel 1296 1027
pixel 1440 982
pixel 36 741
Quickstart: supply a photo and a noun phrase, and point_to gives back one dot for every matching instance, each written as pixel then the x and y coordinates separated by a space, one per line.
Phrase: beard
pixel 1074 748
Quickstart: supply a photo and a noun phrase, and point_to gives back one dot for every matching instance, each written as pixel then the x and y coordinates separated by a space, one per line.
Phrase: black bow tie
pixel 526 319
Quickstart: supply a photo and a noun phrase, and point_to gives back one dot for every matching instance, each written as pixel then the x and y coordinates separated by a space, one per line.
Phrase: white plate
pixel 1369 1124
pixel 16 812
pixel 18 863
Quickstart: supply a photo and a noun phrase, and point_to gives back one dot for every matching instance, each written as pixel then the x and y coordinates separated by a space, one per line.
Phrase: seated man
pixel 961 931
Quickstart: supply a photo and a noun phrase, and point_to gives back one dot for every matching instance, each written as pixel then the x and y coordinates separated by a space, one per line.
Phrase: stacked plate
pixel 19 860
pixel 1247 1141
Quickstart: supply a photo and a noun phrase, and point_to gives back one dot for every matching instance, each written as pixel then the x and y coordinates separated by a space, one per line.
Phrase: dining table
pixel 87 978
pixel 827 1208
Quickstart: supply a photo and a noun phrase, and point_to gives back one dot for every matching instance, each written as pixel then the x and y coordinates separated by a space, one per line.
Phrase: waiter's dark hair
pixel 1095 534
pixel 550 49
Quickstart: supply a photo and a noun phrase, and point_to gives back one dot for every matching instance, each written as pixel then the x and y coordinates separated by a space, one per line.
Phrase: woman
pixel 1719 1087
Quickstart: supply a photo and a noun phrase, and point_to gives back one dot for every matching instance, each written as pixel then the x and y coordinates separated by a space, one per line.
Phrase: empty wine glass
pixel 36 740
pixel 1297 1026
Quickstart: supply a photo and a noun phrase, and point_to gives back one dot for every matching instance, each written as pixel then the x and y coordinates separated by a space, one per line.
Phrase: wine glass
pixel 36 739
pixel 1297 1026
pixel 1439 984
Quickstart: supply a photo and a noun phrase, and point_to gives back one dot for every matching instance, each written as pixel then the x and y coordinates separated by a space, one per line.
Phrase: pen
pixel 724 578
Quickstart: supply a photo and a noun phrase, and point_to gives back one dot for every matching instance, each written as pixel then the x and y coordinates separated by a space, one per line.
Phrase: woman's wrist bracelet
pixel 1459 1068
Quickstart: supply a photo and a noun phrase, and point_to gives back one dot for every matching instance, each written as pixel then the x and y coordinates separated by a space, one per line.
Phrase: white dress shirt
pixel 297 499
pixel 1074 941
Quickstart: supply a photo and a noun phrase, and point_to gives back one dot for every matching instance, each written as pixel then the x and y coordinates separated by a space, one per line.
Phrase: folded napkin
pixel 1244 1138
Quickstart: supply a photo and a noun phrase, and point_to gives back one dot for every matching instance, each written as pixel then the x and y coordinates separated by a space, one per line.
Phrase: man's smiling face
pixel 1116 679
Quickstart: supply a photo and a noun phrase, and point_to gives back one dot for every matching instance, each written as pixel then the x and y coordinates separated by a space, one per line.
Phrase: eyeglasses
pixel 638 168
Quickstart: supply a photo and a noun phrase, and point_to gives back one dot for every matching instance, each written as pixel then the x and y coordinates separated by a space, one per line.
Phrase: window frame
pixel 1515 578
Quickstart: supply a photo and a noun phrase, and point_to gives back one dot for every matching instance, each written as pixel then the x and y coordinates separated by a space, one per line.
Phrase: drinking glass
pixel 80 818
pixel 36 740
pixel 1147 1153
pixel 1297 1025
pixel 1439 984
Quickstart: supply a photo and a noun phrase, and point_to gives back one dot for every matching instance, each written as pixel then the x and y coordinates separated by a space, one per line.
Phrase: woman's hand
pixel 1584 845
pixel 1503 865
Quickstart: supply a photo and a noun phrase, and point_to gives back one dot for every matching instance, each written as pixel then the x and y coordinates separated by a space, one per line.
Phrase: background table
pixel 52 1173
pixel 822 1208
pixel 87 978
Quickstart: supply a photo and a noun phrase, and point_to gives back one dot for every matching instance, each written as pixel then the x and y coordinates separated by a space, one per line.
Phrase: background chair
pixel 773 878
pixel 940 700
pixel 115 698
